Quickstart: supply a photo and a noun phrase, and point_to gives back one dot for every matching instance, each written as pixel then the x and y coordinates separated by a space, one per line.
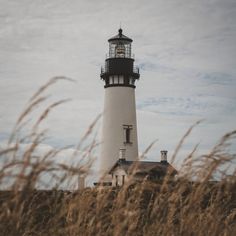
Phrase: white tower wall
pixel 119 111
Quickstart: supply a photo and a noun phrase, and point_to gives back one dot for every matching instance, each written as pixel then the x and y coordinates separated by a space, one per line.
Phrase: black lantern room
pixel 119 69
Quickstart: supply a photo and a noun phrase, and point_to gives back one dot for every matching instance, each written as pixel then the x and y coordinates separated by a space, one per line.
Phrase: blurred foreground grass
pixel 192 204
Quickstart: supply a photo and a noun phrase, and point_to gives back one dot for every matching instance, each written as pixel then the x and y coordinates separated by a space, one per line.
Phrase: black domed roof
pixel 120 36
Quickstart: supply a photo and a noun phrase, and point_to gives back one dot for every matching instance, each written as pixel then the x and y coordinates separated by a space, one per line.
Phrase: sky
pixel 185 50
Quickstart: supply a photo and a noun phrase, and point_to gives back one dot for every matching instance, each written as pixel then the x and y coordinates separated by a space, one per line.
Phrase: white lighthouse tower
pixel 119 132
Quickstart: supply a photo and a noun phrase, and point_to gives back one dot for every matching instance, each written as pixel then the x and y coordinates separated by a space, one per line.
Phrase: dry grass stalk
pixel 189 205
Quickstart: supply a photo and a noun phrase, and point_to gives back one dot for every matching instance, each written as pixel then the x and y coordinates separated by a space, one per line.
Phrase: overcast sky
pixel 185 49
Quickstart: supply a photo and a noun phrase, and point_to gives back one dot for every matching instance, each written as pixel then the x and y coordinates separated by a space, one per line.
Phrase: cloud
pixel 82 160
pixel 218 79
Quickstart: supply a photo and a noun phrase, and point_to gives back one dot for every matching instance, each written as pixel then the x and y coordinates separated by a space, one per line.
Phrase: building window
pixel 127 134
pixel 116 180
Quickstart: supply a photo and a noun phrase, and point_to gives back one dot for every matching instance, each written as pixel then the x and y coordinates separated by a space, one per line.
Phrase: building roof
pixel 120 36
pixel 143 167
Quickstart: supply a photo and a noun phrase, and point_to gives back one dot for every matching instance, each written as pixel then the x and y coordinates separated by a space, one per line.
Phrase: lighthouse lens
pixel 120 50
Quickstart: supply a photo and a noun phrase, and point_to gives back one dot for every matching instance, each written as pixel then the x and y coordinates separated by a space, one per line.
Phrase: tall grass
pixel 193 204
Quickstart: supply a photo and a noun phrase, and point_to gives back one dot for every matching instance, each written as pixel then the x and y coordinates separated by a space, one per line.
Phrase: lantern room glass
pixel 120 49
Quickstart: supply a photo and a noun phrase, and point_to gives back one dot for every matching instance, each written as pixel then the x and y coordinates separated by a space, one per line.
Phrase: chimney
pixel 164 156
pixel 81 183
pixel 122 154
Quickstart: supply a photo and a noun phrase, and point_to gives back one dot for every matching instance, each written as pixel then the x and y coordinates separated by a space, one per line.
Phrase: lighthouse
pixel 119 129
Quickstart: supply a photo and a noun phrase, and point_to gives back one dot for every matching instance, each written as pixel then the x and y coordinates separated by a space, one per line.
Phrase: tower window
pixel 121 79
pixel 111 79
pixel 115 79
pixel 131 81
pixel 123 179
pixel 127 134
